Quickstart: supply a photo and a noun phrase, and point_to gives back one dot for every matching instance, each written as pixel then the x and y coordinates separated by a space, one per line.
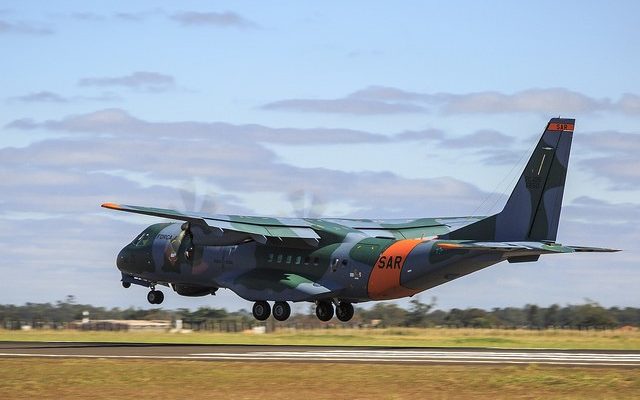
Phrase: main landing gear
pixel 262 310
pixel 324 310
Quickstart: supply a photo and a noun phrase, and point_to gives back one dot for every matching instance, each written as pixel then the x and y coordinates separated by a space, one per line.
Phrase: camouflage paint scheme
pixel 352 260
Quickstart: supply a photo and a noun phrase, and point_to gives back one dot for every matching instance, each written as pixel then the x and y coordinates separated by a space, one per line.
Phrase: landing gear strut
pixel 261 310
pixel 344 311
pixel 155 297
pixel 281 310
pixel 324 310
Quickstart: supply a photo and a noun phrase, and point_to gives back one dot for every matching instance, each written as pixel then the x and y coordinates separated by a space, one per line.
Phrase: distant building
pixel 121 325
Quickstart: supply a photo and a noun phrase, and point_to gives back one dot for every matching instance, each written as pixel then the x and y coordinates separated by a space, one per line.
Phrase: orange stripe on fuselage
pixel 384 281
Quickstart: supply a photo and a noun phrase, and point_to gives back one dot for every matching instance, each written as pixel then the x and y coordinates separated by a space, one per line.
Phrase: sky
pixel 341 109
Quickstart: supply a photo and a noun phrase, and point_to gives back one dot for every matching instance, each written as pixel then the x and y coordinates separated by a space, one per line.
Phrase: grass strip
pixel 402 337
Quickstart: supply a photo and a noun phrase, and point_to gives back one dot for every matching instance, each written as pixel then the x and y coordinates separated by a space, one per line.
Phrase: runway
pixel 319 354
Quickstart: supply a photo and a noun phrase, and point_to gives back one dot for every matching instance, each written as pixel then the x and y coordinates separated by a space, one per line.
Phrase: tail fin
pixel 533 209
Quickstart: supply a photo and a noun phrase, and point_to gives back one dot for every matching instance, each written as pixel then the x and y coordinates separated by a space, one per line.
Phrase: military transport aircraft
pixel 337 262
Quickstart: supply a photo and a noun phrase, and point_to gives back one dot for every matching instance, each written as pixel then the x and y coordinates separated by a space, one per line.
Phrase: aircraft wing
pixel 218 229
pixel 420 228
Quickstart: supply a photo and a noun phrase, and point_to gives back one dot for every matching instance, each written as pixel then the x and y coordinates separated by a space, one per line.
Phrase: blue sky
pixel 371 109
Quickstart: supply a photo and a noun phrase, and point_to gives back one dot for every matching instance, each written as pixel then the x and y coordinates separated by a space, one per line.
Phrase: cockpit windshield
pixel 146 238
pixel 143 240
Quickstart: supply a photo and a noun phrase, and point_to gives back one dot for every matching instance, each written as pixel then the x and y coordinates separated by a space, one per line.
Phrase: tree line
pixel 418 314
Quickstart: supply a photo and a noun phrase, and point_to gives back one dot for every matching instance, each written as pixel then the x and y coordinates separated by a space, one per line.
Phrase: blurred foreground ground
pixel 110 379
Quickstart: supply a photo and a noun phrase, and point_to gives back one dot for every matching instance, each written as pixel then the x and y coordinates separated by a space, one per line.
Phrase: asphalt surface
pixel 319 354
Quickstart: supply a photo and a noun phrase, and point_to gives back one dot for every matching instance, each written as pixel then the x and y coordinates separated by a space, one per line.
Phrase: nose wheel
pixel 155 297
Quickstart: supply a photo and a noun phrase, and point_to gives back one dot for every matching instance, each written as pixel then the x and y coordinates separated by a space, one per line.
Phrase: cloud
pixel 25 28
pixel 481 138
pixel 615 158
pixel 545 101
pixel 215 19
pixel 119 15
pixel 116 121
pixel 87 16
pixel 227 156
pixel 343 106
pixel 585 209
pixel 382 100
pixel 143 80
pixel 630 104
pixel 135 16
pixel 41 97
pixel 46 96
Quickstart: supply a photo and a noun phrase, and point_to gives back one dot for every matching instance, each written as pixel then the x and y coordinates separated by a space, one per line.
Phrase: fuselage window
pixel 288 259
pixel 279 259
pixel 298 260
pixel 307 260
pixel 270 257
pixel 316 261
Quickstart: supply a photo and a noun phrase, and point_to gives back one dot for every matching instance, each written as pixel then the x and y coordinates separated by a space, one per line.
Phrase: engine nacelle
pixel 193 290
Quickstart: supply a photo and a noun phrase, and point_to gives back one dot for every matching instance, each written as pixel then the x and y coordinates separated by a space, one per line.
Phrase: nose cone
pixel 122 260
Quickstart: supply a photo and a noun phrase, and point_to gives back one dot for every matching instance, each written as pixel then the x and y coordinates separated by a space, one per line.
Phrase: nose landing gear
pixel 155 297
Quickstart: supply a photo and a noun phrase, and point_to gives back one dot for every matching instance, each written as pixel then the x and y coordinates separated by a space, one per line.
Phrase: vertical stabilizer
pixel 533 209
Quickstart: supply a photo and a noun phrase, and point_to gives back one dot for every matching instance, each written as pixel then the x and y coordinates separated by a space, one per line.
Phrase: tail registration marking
pixel 560 127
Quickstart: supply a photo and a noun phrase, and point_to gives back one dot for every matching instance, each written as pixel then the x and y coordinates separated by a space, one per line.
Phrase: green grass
pixel 119 379
pixel 405 337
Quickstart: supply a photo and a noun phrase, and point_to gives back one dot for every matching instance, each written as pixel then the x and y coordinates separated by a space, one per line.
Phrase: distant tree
pixel 594 315
pixel 534 316
pixel 389 314
pixel 551 316
pixel 418 314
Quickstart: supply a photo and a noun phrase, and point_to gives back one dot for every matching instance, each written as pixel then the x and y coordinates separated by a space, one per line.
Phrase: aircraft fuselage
pixel 354 269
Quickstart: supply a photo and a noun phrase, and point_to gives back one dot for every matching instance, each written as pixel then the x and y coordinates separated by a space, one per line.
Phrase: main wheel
pixel 155 297
pixel 344 311
pixel 324 310
pixel 281 310
pixel 261 310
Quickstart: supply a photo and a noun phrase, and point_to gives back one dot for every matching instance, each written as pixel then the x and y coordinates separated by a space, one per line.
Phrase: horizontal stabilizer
pixel 519 247
pixel 579 249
